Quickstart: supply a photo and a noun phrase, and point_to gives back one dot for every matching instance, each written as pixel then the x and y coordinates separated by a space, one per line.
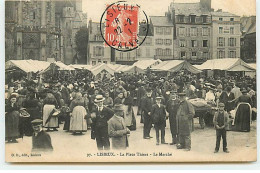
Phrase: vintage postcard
pixel 130 81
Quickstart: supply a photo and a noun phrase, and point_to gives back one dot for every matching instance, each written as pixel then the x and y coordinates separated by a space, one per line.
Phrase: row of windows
pixel 121 57
pixel 184 55
pixel 194 43
pixel 163 30
pixel 193 31
pixel 163 52
pixel 192 18
pixel 231 19
pixel 163 41
pixel 226 31
pixel 231 54
pixel 99 61
pixel 98 51
pixel 222 40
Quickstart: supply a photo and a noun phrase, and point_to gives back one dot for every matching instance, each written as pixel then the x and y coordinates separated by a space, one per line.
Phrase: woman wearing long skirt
pixel 129 116
pixel 12 120
pixel 49 121
pixel 243 113
pixel 78 122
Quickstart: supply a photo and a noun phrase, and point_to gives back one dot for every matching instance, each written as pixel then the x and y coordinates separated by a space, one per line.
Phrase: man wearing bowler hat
pixel 99 127
pixel 184 116
pixel 158 114
pixel 117 129
pixel 40 139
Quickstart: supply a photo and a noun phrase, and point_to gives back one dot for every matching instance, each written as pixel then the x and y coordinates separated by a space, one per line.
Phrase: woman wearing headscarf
pixel 49 107
pixel 12 120
pixel 78 121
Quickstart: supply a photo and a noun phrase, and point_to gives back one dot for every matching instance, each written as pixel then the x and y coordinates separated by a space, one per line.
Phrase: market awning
pixel 133 70
pixel 101 67
pixel 227 64
pixel 27 65
pixel 147 63
pixel 59 65
pixel 175 65
pixel 81 66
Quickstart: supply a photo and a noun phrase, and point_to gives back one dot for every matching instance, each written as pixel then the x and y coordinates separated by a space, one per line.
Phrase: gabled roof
pixel 27 65
pixel 248 24
pixel 133 70
pixel 227 64
pixel 189 9
pixel 223 14
pixel 149 63
pixel 176 65
pixel 160 21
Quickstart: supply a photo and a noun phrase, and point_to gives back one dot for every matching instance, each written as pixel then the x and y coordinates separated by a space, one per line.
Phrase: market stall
pixel 102 71
pixel 175 66
pixel 133 70
pixel 149 63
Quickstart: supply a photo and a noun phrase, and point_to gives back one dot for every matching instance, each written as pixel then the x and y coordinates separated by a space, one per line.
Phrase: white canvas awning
pixel 133 70
pixel 149 63
pixel 27 65
pixel 81 66
pixel 175 65
pixel 100 67
pixel 227 64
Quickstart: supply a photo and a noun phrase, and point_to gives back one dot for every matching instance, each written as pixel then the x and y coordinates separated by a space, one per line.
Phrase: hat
pixel 99 98
pixel 36 122
pixel 14 95
pixel 118 107
pixel 221 105
pixel 244 91
pixel 182 94
pixel 158 97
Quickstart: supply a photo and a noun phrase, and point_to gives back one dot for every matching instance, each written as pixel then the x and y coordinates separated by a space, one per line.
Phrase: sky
pixel 95 8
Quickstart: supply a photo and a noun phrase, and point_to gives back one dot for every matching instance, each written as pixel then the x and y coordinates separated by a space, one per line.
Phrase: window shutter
pixel 94 51
pixel 177 31
pixel 224 40
pixel 228 41
pixel 235 42
pixel 218 41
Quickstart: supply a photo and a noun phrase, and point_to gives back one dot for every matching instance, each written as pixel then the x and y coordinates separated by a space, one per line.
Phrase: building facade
pixel 163 30
pixel 35 29
pixel 226 35
pixel 97 52
pixel 192 23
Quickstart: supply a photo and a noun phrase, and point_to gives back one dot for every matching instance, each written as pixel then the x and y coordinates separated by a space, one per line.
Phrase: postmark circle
pixel 120 26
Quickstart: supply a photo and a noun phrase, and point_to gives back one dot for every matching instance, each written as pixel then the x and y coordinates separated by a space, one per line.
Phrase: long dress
pixel 49 105
pixel 78 122
pixel 243 114
pixel 11 122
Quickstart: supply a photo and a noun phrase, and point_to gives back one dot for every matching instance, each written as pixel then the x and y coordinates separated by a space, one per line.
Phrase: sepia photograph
pixel 141 81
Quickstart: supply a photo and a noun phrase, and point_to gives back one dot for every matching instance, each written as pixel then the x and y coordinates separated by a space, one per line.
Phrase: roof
pixel 248 25
pixel 27 65
pixel 80 66
pixel 149 63
pixel 100 67
pixel 133 70
pixel 253 65
pixel 175 65
pixel 60 65
pixel 160 21
pixel 189 8
pixel 227 64
pixel 223 14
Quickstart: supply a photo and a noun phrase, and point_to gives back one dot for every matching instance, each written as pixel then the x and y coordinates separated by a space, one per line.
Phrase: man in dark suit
pixel 99 128
pixel 158 114
pixel 227 98
pixel 147 104
pixel 41 141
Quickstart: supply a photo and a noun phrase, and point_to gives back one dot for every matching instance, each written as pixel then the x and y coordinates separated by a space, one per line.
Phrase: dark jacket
pixel 42 141
pixel 158 114
pixel 185 115
pixel 147 104
pixel 224 98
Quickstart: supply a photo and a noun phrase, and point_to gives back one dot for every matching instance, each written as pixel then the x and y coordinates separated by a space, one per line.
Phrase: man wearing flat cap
pixel 158 114
pixel 220 121
pixel 117 129
pixel 100 115
pixel 184 116
pixel 41 141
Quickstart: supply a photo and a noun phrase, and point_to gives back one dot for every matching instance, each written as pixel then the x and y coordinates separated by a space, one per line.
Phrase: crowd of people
pixel 106 106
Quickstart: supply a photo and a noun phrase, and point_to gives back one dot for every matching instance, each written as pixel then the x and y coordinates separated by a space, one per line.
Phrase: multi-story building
pixel 146 49
pixel 162 41
pixel 97 52
pixel 248 39
pixel 225 39
pixel 192 30
pixel 37 29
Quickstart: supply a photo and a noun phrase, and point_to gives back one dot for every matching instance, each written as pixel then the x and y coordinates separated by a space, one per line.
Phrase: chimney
pixel 206 4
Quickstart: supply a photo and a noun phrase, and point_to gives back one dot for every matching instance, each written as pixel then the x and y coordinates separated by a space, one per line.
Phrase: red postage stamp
pixel 121 26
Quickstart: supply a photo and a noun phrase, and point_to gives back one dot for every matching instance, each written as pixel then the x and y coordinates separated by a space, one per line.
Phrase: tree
pixel 81 40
